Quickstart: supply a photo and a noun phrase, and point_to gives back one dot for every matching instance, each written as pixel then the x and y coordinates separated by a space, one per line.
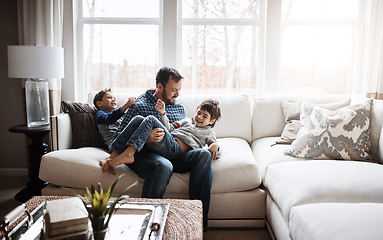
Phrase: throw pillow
pixel 291 113
pixel 339 134
pixel 84 130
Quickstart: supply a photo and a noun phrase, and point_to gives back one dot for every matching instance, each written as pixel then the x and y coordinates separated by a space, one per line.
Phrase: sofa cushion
pixel 375 130
pixel 337 221
pixel 78 168
pixel 235 109
pixel 340 134
pixel 267 153
pixel 236 114
pixel 84 130
pixel 303 182
pixel 291 115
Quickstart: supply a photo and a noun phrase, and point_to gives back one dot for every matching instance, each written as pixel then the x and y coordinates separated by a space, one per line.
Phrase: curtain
pixel 41 23
pixel 372 73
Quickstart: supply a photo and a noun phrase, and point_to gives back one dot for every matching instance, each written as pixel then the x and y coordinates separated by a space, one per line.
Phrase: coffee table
pixel 184 220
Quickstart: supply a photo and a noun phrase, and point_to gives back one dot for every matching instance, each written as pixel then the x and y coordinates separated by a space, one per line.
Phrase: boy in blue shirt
pixel 108 116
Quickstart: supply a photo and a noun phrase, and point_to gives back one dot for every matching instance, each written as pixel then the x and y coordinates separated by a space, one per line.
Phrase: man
pixel 155 169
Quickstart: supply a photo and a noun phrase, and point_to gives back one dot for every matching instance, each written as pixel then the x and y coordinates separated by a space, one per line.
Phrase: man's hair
pixel 212 107
pixel 164 73
pixel 99 96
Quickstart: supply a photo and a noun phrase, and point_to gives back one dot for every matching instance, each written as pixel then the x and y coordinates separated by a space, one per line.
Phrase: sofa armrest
pixel 61 132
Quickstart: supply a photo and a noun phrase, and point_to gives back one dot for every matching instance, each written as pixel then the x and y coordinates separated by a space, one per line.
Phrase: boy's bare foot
pixel 105 167
pixel 112 156
pixel 121 159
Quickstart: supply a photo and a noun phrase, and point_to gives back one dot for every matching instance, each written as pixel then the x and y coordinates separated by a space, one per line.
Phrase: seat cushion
pixel 315 181
pixel 267 152
pixel 337 221
pixel 78 168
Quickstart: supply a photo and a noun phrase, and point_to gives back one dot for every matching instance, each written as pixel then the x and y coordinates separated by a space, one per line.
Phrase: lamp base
pixel 37 102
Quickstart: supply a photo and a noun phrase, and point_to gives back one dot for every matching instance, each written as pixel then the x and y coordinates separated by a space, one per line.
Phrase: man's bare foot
pixel 121 159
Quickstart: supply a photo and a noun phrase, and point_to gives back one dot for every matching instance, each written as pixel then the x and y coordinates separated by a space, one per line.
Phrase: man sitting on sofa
pixel 155 169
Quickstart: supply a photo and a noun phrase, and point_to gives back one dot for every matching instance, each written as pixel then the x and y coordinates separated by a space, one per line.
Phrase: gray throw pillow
pixel 340 134
pixel 84 130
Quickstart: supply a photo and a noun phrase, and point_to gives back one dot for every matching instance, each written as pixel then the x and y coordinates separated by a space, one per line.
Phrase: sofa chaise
pixel 255 182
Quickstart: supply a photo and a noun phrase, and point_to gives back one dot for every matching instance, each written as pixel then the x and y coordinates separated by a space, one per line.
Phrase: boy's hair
pixel 164 73
pixel 99 96
pixel 212 107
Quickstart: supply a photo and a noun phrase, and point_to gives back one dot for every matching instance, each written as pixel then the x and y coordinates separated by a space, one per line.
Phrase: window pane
pixel 121 8
pixel 220 9
pixel 317 59
pixel 124 57
pixel 223 58
pixel 320 9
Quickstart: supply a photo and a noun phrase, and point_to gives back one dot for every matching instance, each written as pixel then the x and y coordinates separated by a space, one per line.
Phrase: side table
pixel 36 150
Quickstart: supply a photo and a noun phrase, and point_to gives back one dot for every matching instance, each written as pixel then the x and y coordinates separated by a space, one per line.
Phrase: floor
pixel 10 185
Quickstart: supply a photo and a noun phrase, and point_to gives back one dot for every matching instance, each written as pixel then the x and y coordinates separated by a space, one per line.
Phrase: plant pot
pixel 98 235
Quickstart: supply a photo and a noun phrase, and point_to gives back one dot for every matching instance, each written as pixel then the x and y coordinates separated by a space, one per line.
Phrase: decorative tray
pixel 133 220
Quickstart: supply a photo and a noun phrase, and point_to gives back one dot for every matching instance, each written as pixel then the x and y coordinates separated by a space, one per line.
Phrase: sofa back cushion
pixel 376 150
pixel 235 112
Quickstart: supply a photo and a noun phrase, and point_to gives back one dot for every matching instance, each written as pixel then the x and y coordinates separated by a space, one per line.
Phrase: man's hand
pixel 160 107
pixel 213 149
pixel 156 135
pixel 105 167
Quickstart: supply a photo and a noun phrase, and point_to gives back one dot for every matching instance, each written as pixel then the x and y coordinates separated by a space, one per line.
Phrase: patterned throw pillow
pixel 291 113
pixel 339 134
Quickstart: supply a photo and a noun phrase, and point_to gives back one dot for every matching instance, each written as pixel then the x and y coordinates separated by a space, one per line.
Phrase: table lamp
pixel 36 64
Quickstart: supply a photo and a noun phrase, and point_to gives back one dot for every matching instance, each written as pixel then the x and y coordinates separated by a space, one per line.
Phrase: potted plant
pixel 100 208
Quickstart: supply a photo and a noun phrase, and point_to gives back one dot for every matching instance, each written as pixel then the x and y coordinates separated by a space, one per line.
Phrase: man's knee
pixel 164 168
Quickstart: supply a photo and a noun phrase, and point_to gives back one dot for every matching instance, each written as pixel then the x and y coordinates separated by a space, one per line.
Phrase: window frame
pixel 170 39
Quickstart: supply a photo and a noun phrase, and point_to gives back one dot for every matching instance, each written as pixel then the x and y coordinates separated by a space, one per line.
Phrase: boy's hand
pixel 160 107
pixel 131 101
pixel 213 149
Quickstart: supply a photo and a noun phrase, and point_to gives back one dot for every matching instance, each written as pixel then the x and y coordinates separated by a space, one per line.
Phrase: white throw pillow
pixel 340 134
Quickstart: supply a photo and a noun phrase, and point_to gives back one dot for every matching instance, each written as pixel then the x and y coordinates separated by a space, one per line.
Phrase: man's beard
pixel 168 101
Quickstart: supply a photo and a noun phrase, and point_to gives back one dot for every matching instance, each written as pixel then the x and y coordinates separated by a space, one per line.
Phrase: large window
pixel 319 41
pixel 119 42
pixel 221 46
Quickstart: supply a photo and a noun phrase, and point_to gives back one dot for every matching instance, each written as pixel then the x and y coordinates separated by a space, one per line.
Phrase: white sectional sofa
pixel 254 183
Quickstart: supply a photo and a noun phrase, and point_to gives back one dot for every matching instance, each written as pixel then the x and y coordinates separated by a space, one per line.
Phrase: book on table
pixel 65 216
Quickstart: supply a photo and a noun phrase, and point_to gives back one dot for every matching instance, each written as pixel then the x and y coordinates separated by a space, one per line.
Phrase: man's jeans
pixel 137 132
pixel 157 171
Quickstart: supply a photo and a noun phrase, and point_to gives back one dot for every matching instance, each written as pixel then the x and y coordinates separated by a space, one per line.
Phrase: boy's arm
pixel 102 117
pixel 129 103
pixel 213 146
pixel 165 121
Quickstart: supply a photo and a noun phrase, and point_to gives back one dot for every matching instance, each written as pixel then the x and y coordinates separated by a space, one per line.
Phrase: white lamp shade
pixel 35 62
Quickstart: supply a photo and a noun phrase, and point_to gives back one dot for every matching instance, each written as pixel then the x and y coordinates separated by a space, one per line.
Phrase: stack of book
pixel 65 219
